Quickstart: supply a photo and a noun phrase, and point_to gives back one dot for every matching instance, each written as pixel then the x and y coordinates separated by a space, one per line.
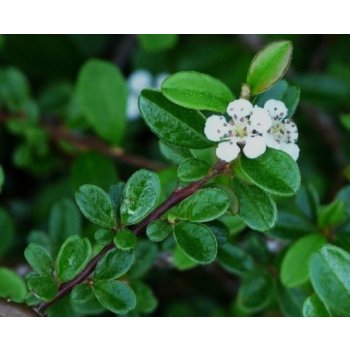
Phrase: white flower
pixel 246 128
pixel 283 133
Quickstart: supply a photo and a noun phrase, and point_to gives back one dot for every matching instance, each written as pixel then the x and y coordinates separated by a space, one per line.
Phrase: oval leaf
pixel 313 307
pixel 12 286
pixel 295 264
pixel 196 241
pixel 38 258
pixel 275 172
pixel 172 123
pixel 72 257
pixel 96 205
pixel 197 91
pixel 205 205
pixel 269 65
pixel 158 230
pixel 115 296
pixel 42 286
pixel 141 196
pixel 125 239
pixel 192 170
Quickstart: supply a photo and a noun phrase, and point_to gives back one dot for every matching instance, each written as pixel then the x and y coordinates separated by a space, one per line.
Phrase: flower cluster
pixel 251 129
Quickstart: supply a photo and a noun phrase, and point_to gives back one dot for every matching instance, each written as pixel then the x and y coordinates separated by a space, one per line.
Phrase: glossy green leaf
pixel 157 42
pixel 115 296
pixel 146 302
pixel 42 286
pixel 332 214
pixel 172 123
pixel 196 241
pixel 81 293
pixel 295 264
pixel 39 258
pixel 104 236
pixel 234 259
pixel 7 232
pixel 313 307
pixel 192 169
pixel 220 230
pixel 174 154
pixel 72 257
pixel 141 196
pixel 256 207
pixel 96 205
pixel 12 286
pixel 158 230
pixel 102 95
pixel 205 205
pixel 330 277
pixel 114 264
pixel 269 65
pixel 125 239
pixel 275 171
pixel 181 260
pixel 197 91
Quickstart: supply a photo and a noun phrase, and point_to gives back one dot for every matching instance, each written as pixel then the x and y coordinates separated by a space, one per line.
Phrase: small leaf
pixel 295 264
pixel 192 170
pixel 102 95
pixel 12 286
pixel 174 124
pixel 197 91
pixel 332 214
pixel 114 264
pixel 125 239
pixel 157 42
pixel 141 196
pixel 39 259
pixel 205 205
pixel 313 307
pixel 72 257
pixel 96 205
pixel 181 261
pixel 146 302
pixel 81 293
pixel 330 277
pixel 220 230
pixel 104 236
pixel 42 286
pixel 269 65
pixel 115 296
pixel 196 241
pixel 256 208
pixel 158 230
pixel 275 172
pixel 174 154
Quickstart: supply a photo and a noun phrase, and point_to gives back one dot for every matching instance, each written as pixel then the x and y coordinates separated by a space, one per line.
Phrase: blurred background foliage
pixel 38 79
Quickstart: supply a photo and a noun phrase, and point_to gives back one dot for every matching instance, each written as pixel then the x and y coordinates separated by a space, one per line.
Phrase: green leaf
pixel 72 257
pixel 12 286
pixel 269 65
pixel 197 91
pixel 157 42
pixel 330 277
pixel 174 124
pixel 234 259
pixel 93 168
pixel 332 214
pixel 307 200
pixel 158 230
pixel 313 307
pixel 42 286
pixel 181 261
pixel 81 293
pixel 255 291
pixel 192 170
pixel 104 236
pixel 291 300
pixel 7 232
pixel 125 239
pixel 295 264
pixel 196 241
pixel 204 205
pixel 174 154
pixel 220 230
pixel 115 296
pixel 282 91
pixel 116 195
pixel 275 172
pixel 146 302
pixel 141 196
pixel 39 259
pixel 256 207
pixel 96 205
pixel 102 94
pixel 114 264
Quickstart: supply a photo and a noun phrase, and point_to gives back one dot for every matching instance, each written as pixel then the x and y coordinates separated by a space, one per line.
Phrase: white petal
pixel 227 151
pixel 260 120
pixel 254 146
pixel 139 80
pixel 216 127
pixel 276 109
pixel 132 110
pixel 158 80
pixel 239 108
pixel 271 142
pixel 292 149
